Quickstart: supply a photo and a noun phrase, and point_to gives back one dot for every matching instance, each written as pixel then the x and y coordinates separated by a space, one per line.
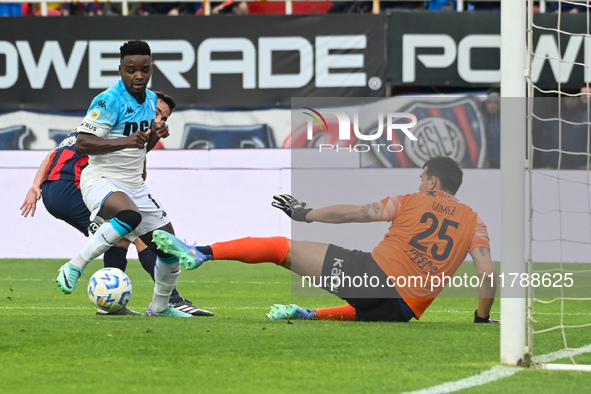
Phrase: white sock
pixel 166 277
pixel 102 240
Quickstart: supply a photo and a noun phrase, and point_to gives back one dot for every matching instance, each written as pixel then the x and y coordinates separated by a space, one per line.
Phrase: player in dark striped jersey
pixel 58 181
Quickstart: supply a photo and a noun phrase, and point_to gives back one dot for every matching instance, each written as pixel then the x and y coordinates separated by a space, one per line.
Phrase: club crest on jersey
pixel 95 114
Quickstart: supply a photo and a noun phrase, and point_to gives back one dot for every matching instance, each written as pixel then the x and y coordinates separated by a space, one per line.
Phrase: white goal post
pixel 513 136
pixel 527 311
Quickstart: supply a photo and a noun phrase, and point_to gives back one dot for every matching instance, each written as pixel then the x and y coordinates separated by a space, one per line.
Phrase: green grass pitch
pixel 54 343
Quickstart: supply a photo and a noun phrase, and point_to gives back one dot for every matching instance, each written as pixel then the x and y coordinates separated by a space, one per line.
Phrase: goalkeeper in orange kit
pixel 431 234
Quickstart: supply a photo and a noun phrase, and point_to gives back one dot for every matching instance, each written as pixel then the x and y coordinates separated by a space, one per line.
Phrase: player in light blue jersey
pixel 113 115
pixel 117 132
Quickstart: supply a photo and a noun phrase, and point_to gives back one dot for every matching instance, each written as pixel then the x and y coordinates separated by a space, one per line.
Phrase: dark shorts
pixel 355 277
pixel 63 200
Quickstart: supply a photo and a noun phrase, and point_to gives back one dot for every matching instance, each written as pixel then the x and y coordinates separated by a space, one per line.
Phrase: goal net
pixel 558 187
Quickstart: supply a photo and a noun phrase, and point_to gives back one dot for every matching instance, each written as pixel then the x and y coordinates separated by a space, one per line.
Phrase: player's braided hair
pixel 134 47
pixel 447 170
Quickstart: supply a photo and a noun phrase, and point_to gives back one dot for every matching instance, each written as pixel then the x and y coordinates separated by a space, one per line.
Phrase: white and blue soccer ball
pixel 109 289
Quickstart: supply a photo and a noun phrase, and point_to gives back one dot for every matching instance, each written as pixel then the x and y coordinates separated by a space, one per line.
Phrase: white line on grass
pixel 564 353
pixel 498 372
pixel 488 376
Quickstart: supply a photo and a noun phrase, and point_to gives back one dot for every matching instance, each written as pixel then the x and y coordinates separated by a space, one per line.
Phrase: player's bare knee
pixel 287 263
pixel 123 243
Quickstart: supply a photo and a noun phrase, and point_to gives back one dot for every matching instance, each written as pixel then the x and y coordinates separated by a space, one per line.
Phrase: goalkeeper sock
pixel 345 312
pixel 166 276
pixel 252 250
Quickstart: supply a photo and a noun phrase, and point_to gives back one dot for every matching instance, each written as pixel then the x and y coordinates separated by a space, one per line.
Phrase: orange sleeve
pixel 480 238
pixel 389 207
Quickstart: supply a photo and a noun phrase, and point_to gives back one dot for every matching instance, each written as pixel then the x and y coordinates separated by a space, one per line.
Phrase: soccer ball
pixel 109 289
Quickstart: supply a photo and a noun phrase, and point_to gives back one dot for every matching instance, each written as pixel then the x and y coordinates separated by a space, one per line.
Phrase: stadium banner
pixel 403 131
pixel 459 127
pixel 462 50
pixel 223 62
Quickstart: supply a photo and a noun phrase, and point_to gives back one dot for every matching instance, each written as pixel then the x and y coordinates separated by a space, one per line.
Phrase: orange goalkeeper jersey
pixel 431 235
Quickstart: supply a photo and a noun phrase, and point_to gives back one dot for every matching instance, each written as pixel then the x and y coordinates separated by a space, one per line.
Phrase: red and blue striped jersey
pixel 65 164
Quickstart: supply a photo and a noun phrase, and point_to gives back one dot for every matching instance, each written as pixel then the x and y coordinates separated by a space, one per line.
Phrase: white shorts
pixel 153 214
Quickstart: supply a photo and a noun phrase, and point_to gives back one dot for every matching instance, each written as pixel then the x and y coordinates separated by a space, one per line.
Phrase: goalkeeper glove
pixel 478 319
pixel 292 207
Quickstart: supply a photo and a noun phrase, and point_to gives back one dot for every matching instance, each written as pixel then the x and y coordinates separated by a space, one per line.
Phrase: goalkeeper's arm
pixel 487 272
pixel 344 213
